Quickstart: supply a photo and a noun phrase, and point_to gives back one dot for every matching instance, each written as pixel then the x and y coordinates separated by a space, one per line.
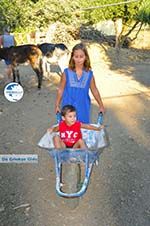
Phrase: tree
pixel 141 18
pixel 14 13
pixel 28 15
pixel 120 12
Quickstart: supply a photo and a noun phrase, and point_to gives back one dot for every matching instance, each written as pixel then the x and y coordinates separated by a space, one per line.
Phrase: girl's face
pixel 70 118
pixel 79 57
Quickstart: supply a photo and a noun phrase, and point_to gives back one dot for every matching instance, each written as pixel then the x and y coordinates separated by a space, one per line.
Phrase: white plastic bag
pixel 102 139
pixel 93 139
pixel 47 140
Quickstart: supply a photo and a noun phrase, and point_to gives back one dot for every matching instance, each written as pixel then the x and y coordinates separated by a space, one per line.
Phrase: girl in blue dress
pixel 76 81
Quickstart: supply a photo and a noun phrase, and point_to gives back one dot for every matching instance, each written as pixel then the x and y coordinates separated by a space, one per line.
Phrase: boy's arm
pixel 91 127
pixel 53 129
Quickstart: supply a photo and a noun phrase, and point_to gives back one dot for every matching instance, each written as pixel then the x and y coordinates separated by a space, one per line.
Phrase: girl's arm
pixel 91 127
pixel 60 92
pixel 53 129
pixel 96 95
pixel 15 42
pixel 1 41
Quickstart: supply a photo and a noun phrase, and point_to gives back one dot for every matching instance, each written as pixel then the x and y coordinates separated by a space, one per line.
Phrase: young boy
pixel 70 130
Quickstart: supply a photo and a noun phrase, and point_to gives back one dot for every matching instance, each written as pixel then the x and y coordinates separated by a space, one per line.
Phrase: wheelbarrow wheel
pixel 71 175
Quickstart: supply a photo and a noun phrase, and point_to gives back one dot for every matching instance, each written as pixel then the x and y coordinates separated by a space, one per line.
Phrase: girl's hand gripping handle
pixel 58 117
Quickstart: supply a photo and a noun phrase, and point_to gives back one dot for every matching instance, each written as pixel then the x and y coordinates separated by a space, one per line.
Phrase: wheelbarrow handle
pixel 100 118
pixel 58 117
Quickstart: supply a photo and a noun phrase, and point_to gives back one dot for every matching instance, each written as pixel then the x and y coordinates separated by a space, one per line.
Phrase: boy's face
pixel 70 118
pixel 79 57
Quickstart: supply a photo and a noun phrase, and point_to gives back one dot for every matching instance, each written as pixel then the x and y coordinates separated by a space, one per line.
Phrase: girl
pixel 75 83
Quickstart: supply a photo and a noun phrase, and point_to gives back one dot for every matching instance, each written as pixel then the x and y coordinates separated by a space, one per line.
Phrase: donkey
pixel 54 54
pixel 21 54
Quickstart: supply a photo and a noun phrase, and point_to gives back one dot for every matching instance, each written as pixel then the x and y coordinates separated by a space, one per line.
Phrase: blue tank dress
pixel 76 93
pixel 8 40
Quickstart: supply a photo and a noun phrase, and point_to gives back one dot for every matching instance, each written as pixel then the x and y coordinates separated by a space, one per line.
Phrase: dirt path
pixel 118 193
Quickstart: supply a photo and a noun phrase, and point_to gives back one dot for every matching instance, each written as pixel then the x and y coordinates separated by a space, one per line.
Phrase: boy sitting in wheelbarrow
pixel 69 128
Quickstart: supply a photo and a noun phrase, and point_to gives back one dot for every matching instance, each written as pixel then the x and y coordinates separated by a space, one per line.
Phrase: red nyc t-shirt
pixel 70 134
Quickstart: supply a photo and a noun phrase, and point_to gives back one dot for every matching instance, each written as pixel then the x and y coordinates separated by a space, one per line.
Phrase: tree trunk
pixel 118 31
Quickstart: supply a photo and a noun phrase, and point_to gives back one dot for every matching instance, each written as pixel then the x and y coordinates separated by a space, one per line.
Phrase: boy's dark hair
pixel 67 108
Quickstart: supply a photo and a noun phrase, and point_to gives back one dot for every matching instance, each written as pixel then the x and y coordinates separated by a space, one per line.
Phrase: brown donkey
pixel 21 54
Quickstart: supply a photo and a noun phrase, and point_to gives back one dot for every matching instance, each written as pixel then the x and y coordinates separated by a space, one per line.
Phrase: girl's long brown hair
pixel 87 63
